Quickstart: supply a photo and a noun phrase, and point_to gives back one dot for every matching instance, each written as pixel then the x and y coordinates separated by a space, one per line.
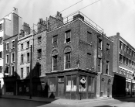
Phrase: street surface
pixel 130 102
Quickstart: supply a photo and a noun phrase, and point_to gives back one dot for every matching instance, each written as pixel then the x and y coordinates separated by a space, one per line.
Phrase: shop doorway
pixel 61 86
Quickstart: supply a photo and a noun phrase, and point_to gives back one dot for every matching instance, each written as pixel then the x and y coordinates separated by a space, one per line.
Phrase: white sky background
pixel 112 15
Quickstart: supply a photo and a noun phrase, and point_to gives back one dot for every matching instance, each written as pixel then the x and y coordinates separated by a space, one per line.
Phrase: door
pixel 61 86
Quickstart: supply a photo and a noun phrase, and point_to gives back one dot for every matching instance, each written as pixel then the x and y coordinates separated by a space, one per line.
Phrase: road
pixel 4 102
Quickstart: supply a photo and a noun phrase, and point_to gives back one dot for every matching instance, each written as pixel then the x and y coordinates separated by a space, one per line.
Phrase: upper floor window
pixel 7 59
pixel 12 70
pixel 0 69
pixel 39 39
pixel 28 57
pixel 121 45
pixel 22 58
pixel 120 58
pixel 107 48
pixel 89 37
pixel 13 44
pixel 55 40
pixel 67 60
pixel 7 46
pixel 107 67
pixel 55 62
pixel 100 43
pixel 1 26
pixel 28 71
pixel 28 43
pixel 22 46
pixel 21 72
pixel 1 54
pixel 68 36
pixel 1 39
pixel 39 53
pixel 12 57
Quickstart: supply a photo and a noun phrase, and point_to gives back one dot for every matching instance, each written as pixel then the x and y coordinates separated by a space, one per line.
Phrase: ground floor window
pixel 82 83
pixel 91 84
pixel 52 84
pixel 71 83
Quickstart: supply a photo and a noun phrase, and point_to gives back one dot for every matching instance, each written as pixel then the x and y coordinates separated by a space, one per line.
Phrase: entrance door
pixel 60 86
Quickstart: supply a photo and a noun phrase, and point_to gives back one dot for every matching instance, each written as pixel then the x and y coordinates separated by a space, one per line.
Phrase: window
pixel 7 70
pixel 67 60
pixel 28 43
pixel 88 60
pixel 120 57
pixel 22 46
pixel 107 67
pixel 0 69
pixel 12 71
pixel 39 70
pixel 28 57
pixel 12 57
pixel 55 40
pixel 39 53
pixel 52 84
pixel 39 39
pixel 1 40
pixel 67 36
pixel 121 45
pixel 1 54
pixel 107 48
pixel 21 72
pixel 28 71
pixel 82 83
pixel 21 58
pixel 1 26
pixel 7 46
pixel 13 44
pixel 7 59
pixel 55 62
pixel 99 65
pixel 71 84
pixel 100 43
pixel 89 37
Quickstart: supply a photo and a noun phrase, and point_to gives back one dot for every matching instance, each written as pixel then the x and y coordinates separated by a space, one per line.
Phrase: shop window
pixel 71 83
pixel 91 84
pixel 68 36
pixel 82 83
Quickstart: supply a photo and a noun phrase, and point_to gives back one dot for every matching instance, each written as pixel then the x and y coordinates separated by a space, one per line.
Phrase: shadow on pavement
pixel 126 99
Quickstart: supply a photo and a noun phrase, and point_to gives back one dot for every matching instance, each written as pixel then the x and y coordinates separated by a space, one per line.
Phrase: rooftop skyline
pixel 111 15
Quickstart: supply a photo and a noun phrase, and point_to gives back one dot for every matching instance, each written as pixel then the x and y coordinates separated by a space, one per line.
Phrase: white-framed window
pixel 55 62
pixel 7 58
pixel 68 36
pixel 28 57
pixel 28 44
pixel 7 46
pixel 67 60
pixel 22 58
pixel 0 26
pixel 0 54
pixel 12 57
pixel 21 72
pixel 13 44
pixel 22 46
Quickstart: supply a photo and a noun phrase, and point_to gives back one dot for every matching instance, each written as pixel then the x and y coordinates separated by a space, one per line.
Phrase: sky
pixel 111 15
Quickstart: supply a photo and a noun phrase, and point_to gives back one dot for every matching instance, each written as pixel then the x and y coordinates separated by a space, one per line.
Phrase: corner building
pixel 72 60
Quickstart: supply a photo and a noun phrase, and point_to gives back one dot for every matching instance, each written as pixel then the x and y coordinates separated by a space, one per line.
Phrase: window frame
pixel 12 60
pixel 66 36
pixel 54 64
pixel 39 55
pixel 67 62
pixel 7 59
pixel 13 44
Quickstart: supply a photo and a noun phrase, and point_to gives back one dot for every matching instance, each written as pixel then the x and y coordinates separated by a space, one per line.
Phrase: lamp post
pixel 30 89
pixel 131 84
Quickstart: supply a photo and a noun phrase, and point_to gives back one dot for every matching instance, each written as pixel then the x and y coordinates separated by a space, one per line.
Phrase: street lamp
pixel 132 78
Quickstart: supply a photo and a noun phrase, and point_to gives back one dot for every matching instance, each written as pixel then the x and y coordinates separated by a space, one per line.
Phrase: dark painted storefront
pixel 72 84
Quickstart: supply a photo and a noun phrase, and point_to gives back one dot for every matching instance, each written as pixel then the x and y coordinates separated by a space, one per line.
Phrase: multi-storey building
pixel 25 41
pixel 10 64
pixel 123 66
pixel 9 26
pixel 76 60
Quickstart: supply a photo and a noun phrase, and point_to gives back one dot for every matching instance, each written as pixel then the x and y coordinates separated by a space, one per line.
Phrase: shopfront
pixel 72 84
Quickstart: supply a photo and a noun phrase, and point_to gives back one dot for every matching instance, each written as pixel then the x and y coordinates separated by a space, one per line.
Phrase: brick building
pixel 72 56
pixel 10 64
pixel 123 66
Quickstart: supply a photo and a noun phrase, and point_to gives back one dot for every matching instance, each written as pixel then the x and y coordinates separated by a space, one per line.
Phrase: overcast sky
pixel 112 15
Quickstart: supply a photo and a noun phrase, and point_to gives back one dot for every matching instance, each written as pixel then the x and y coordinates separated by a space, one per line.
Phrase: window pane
pixel 68 83
pixel 74 85
pixel 82 83
pixel 52 84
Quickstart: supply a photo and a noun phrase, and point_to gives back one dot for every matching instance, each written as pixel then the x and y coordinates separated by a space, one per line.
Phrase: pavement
pixel 58 101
